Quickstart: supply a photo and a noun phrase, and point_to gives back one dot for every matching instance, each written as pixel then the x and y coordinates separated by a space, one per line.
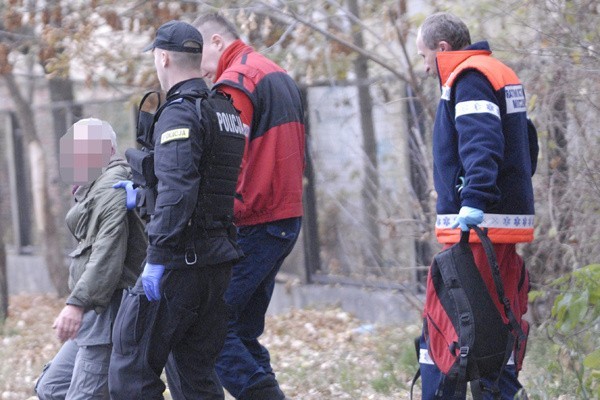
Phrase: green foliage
pixel 574 328
pixel 397 361
pixel 577 303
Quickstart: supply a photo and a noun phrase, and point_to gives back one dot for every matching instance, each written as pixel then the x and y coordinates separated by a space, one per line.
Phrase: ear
pixel 444 46
pixel 218 41
pixel 164 58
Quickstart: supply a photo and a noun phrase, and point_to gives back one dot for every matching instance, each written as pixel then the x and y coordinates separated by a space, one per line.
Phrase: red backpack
pixel 466 335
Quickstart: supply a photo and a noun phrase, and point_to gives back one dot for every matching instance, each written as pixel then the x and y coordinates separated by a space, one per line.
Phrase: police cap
pixel 177 36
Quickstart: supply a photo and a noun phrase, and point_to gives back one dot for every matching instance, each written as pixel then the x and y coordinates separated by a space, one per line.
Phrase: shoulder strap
pixel 417 343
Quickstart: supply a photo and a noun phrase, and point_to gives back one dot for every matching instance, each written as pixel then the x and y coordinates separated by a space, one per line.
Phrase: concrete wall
pixel 27 274
pixel 375 306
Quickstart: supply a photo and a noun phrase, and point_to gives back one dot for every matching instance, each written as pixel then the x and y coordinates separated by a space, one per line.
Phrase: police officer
pixel 177 304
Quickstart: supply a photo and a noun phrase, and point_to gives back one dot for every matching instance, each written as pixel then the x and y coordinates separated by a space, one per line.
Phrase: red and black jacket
pixel 270 182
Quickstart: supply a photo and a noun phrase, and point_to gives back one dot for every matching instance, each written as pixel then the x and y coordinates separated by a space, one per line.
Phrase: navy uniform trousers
pixel 244 365
pixel 189 321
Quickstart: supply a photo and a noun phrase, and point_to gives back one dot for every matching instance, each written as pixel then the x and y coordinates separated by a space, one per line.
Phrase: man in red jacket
pixel 268 206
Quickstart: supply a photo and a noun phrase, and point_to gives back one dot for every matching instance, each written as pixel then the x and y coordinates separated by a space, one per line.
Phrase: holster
pixel 142 167
pixel 142 171
pixel 146 202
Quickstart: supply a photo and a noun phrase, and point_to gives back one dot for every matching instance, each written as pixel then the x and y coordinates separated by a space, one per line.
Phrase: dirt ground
pixel 317 354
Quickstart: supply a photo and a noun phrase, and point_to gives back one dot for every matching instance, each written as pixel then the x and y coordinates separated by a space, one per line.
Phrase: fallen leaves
pixel 316 354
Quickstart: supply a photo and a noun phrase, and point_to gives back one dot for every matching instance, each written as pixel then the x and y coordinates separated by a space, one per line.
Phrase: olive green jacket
pixel 112 241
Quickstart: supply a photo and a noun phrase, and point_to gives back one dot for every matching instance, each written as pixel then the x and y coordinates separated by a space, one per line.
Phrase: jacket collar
pixel 447 61
pixel 186 86
pixel 231 53
pixel 82 191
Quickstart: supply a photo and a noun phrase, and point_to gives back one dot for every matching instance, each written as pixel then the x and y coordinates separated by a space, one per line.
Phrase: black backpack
pixel 481 343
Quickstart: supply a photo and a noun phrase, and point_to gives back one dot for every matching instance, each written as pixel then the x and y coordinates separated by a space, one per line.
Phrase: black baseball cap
pixel 177 36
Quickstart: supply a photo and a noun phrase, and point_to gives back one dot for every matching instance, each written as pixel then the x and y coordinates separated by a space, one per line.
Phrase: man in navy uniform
pixel 177 305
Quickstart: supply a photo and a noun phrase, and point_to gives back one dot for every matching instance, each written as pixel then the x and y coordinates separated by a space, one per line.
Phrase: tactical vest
pixel 219 166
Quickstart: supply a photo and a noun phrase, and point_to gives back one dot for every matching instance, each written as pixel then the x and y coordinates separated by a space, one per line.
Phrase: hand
pixel 151 280
pixel 468 216
pixel 131 193
pixel 68 322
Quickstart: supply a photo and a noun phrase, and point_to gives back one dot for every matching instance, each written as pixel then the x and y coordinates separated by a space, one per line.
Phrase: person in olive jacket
pixel 108 258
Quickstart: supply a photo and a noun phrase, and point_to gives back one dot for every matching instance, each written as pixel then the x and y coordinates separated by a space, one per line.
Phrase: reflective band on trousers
pixel 424 358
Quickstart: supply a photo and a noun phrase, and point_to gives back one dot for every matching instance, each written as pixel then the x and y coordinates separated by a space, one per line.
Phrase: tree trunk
pixel 370 191
pixel 558 166
pixel 64 115
pixel 420 175
pixel 3 284
pixel 43 210
pixel 61 92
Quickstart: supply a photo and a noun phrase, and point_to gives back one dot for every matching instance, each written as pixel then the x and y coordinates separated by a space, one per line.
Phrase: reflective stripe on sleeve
pixel 476 107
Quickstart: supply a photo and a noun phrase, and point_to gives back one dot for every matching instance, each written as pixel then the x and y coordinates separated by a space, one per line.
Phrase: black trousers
pixel 189 321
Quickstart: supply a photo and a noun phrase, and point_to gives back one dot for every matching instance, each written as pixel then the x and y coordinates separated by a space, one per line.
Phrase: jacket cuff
pixel 473 203
pixel 73 301
pixel 158 255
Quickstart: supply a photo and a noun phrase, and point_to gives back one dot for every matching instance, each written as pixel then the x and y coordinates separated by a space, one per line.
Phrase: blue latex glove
pixel 468 216
pixel 131 193
pixel 151 280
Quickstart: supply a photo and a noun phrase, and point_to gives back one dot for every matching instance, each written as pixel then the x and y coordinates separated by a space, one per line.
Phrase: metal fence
pixel 338 243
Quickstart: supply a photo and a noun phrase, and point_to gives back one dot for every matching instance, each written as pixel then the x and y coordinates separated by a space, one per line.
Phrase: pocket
pixel 81 249
pixel 285 229
pixel 130 323
pixel 174 155
pixel 179 319
pixel 246 231
pixel 168 198
pixel 169 209
pixel 439 346
pixel 40 379
pixel 79 259
pixel 77 219
pixel 94 382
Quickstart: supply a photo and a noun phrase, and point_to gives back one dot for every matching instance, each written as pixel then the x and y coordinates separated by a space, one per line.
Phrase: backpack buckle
pixel 464 351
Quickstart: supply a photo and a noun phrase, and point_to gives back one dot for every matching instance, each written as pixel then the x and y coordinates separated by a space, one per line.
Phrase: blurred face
pixel 211 53
pixel 84 151
pixel 428 55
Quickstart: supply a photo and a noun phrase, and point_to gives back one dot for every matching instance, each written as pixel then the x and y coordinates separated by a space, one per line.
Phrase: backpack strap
pixel 476 389
pixel 418 373
pixel 519 335
pixel 414 381
pixel 491 256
